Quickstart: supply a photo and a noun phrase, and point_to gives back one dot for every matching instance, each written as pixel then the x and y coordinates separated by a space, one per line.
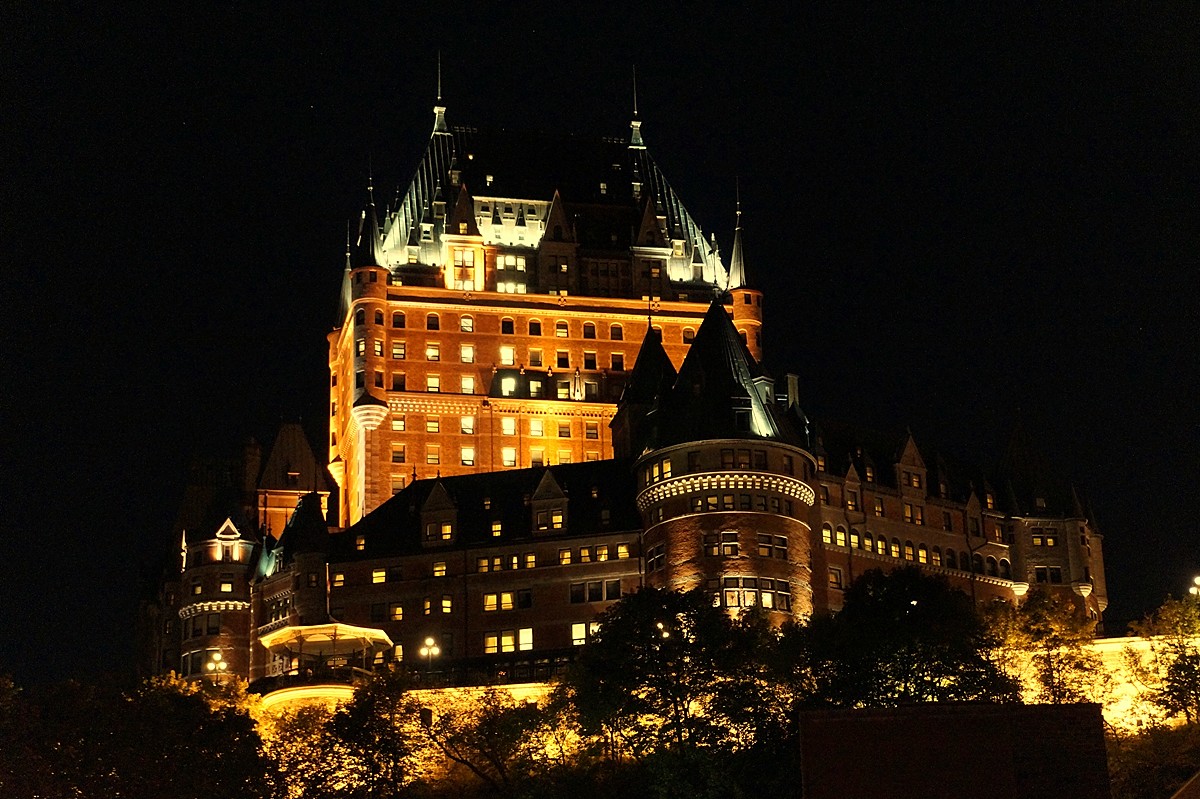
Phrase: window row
pixel 201 624
pixel 749 592
pixel 918 553
pixel 595 591
pixel 468 456
pixel 756 502
pixel 725 544
pixel 224 585
pixel 508 600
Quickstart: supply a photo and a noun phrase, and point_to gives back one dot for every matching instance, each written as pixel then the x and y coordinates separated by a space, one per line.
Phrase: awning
pixel 328 639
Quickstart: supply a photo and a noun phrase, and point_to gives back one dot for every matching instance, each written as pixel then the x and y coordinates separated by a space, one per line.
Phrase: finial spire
pixel 439 76
pixel 635 125
pixel 439 110
pixel 737 263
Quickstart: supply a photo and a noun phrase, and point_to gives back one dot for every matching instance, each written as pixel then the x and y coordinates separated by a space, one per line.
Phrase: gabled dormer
pixel 911 474
pixel 439 518
pixel 852 491
pixel 549 507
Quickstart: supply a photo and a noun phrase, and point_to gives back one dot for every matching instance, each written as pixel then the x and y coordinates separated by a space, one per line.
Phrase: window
pixel 433 384
pixel 879 506
pixel 835 579
pixel 616 333
pixel 508 456
pixel 839 536
pixel 339 579
pixel 535 327
pixel 508 355
pixel 589 330
pixel 585 554
pixel 433 322
pixel 852 501
pixel 466 353
pixel 433 424
pixel 378 575
pixel 226 584
pixel 398 320
pixel 582 631
pixel 656 558
pixel 556 519
pixel 564 429
pixel 535 357
pixel 396 612
pixel 447 603
pixel 947 521
pixel 562 359
pixel 467 384
pixel 398 350
pixel 895 548
pixel 689 335
pixel 622 551
pixel 377 346
pixel 397 453
pixel 618 362
pixel 467 456
pixel 602 553
pixel 560 329
pixel 908 551
pixel 922 554
pixel 500 601
pixel 536 428
pixel 360 542
pixel 427 605
pixel 564 557
pixel 433 352
pixel 824 495
pixel 826 534
pixel 935 556
pixel 537 457
pixel 914 514
pixel 466 324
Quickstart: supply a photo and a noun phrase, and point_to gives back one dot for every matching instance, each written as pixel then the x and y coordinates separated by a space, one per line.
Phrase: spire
pixel 737 266
pixel 635 125
pixel 366 248
pixel 347 296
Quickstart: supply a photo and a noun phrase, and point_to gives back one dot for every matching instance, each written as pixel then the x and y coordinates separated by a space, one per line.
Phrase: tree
pixel 648 679
pixel 1171 675
pixel 900 638
pixel 1046 640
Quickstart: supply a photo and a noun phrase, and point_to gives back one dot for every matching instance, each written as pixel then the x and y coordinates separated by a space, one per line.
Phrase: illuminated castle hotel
pixel 544 393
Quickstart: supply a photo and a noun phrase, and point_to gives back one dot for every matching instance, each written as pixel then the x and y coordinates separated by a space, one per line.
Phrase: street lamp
pixel 429 652
pixel 1194 589
pixel 217 665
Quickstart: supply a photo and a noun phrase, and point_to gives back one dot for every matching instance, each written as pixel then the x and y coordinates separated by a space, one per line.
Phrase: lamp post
pixel 217 666
pixel 1194 588
pixel 429 651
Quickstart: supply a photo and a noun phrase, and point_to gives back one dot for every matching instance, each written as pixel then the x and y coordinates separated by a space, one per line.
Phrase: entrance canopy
pixel 328 639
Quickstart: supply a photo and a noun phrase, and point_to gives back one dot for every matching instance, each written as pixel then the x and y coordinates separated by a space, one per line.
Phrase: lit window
pixel 508 425
pixel 398 424
pixel 508 386
pixel 339 579
pixel 525 639
pixel 466 424
pixel 508 456
pixel 468 456
pixel 602 553
pixel 585 554
pixel 396 612
pixel 537 457
pixel 556 519
pixel 433 383
pixel 622 551
pixel 360 542
pixel 433 424
pixel 564 557
pixel 447 603
pixel 427 605
pixel 466 353
pixel 379 575
pixel 564 429
pixel 835 579
pixel 535 357
pixel 447 530
pixel 465 323
pixel 377 346
pixel 397 453
pixel 536 427
pixel 497 529
pixel 226 583
pixel 433 454
pixel 879 506
pixel 467 384
pixel 508 355
pixel 433 352
pixel 560 329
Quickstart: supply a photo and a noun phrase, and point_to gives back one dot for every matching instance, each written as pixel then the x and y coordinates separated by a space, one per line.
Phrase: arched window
pixel 535 327
pixel 977 564
pixel 589 330
pixel 935 556
pixel 895 547
pixel 908 551
pixel 398 319
pixel 360 316
pixel 1005 570
pixel 466 324
pixel 689 335
pixel 840 539
pixel 868 542
pixel 922 553
pixel 827 534
pixel 951 560
pixel 616 333
pixel 560 329
pixel 881 546
pixel 993 569
pixel 854 539
pixel 379 317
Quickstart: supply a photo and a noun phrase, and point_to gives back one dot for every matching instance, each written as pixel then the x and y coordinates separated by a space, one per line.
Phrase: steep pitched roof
pixel 720 391
pixel 291 464
pixel 653 373
pixel 394 528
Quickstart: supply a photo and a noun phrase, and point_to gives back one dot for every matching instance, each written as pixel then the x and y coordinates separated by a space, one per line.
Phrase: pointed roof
pixel 653 373
pixel 367 244
pixel 737 265
pixel 717 393
pixel 306 531
pixel 548 488
pixel 463 214
pixel 226 506
pixel 291 464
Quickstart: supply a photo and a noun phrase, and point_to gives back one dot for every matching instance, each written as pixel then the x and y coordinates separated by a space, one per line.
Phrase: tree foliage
pixel 1171 674
pixel 903 638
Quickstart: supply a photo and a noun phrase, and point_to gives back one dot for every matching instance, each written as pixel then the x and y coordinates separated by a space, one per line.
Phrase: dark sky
pixel 962 218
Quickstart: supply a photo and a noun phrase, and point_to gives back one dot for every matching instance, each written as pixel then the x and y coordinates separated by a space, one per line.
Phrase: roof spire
pixel 439 110
pixel 635 125
pixel 737 264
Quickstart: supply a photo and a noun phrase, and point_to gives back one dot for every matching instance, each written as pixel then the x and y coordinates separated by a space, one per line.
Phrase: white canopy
pixel 327 639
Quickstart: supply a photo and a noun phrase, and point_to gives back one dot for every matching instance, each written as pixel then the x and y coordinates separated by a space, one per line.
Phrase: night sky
pixel 962 219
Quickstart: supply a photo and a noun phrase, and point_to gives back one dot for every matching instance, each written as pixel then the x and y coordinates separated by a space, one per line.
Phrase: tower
pixel 488 321
pixel 724 481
